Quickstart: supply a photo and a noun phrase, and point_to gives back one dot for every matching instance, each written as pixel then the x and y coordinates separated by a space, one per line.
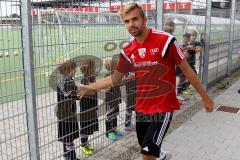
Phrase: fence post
pixel 207 43
pixel 231 37
pixel 29 80
pixel 160 14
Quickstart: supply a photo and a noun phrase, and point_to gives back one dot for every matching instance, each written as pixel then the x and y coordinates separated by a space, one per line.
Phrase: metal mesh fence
pixel 235 51
pixel 186 21
pixel 68 32
pixel 219 43
pixel 80 31
pixel 14 132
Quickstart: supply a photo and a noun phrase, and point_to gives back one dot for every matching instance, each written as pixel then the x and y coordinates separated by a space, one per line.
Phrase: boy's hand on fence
pixel 191 47
pixel 186 54
pixel 199 49
pixel 108 89
pixel 208 104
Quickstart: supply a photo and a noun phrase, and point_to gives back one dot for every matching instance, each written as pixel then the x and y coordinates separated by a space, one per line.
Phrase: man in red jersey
pixel 152 56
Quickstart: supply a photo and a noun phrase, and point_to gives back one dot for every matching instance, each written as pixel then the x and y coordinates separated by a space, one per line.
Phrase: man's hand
pixel 208 104
pixel 82 90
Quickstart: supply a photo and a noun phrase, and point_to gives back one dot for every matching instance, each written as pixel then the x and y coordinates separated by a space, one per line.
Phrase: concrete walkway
pixel 209 136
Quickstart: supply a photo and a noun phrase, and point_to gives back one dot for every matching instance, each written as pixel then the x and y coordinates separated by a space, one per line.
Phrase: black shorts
pixel 67 131
pixel 89 127
pixel 151 130
pixel 193 68
pixel 178 71
pixel 112 110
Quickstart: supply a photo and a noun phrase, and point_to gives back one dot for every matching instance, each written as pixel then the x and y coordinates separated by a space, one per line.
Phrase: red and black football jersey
pixel 153 63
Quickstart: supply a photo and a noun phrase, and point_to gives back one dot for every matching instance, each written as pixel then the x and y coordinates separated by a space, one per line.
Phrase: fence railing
pixel 36 37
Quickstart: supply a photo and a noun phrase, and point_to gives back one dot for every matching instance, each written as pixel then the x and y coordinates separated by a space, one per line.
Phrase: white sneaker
pixel 165 155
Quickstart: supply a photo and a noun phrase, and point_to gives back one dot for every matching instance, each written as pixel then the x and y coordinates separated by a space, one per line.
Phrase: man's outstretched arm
pixel 193 79
pixel 104 83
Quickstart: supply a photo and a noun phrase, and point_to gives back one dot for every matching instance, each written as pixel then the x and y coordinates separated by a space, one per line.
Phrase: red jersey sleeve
pixel 123 66
pixel 176 52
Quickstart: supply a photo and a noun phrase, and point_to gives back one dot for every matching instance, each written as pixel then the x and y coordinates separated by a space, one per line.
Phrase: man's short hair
pixel 130 7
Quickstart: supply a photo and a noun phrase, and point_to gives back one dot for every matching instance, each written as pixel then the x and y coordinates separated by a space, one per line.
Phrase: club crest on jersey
pixel 142 52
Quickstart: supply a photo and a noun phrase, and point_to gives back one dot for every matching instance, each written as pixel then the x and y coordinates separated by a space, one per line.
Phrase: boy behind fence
pixel 182 81
pixel 113 99
pixel 88 107
pixel 68 129
pixel 130 103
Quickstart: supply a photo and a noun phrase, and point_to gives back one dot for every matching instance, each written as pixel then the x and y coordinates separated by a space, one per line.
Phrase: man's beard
pixel 136 34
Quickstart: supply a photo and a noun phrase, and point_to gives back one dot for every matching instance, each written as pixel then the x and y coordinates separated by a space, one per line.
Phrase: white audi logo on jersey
pixel 154 50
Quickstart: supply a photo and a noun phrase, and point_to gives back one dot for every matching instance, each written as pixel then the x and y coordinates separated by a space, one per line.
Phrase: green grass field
pixel 50 45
